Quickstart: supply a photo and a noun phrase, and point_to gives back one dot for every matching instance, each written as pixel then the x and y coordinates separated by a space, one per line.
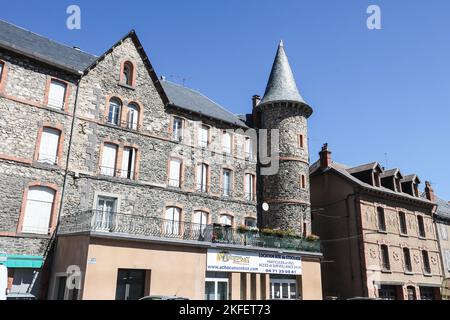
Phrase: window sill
pixel 409 273
pixel 404 235
pixel 425 274
pixel 422 238
pixel 382 231
pixel 385 271
pixel 33 235
pixel 124 85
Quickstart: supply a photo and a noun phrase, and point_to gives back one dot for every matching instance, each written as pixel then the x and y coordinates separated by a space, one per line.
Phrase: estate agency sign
pixel 253 262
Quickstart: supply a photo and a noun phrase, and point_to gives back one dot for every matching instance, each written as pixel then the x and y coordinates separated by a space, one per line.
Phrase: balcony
pixel 146 226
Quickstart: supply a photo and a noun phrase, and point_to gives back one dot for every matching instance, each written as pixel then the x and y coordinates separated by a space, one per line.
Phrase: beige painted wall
pixel 311 280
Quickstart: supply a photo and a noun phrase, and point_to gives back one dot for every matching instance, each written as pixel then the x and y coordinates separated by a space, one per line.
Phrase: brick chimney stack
pixel 429 192
pixel 325 157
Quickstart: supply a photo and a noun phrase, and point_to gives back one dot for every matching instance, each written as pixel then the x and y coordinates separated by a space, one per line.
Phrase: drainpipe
pixel 52 252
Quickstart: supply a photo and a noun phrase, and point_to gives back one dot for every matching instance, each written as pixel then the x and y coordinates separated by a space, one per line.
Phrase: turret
pixel 287 192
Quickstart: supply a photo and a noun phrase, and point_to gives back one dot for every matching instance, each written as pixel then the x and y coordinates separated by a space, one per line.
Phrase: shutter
pixel 56 94
pixel 38 210
pixel 175 172
pixel 109 159
pixel 48 149
pixel 126 170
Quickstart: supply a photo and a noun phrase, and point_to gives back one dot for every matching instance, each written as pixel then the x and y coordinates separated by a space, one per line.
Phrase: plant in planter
pixel 290 233
pixel 253 229
pixel 312 237
pixel 267 232
pixel 242 229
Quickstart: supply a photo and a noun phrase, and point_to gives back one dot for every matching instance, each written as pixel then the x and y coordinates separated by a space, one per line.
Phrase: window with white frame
pixel 104 213
pixel 227 139
pixel 226 219
pixel 38 210
pixel 128 169
pixel 133 116
pixel 202 177
pixel 172 221
pixel 248 148
pixel 48 148
pixel 175 173
pixel 203 136
pixel 226 183
pixel 114 111
pixel 109 157
pixel 177 129
pixel 249 187
pixel 56 94
pixel 216 286
pixel 201 221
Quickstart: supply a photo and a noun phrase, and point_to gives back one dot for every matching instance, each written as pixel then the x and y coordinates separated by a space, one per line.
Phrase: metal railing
pixel 114 222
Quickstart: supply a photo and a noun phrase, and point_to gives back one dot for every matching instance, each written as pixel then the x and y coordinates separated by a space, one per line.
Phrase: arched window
pixel 114 111
pixel 226 219
pixel 38 210
pixel 172 221
pixel 133 116
pixel 202 177
pixel 200 221
pixel 127 73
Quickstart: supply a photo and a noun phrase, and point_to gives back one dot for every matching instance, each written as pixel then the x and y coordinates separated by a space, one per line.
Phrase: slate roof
pixel 391 172
pixel 443 208
pixel 410 178
pixel 191 100
pixel 343 171
pixel 281 85
pixel 364 167
pixel 38 47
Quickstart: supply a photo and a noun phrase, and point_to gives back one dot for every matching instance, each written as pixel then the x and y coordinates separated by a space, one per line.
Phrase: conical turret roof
pixel 281 85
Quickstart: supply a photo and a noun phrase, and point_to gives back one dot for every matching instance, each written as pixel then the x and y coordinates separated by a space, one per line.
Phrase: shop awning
pixel 21 261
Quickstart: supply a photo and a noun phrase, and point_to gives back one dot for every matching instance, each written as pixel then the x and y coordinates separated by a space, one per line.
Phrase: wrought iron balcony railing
pixel 114 222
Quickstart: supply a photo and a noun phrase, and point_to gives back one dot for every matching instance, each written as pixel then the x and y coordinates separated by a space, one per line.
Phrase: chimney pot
pixel 325 157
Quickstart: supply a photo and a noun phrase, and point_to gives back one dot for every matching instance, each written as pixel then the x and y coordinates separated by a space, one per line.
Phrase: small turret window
pixel 127 73
pixel 301 142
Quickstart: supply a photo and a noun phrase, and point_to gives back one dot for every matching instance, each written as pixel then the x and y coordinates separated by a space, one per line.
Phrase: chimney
pixel 429 192
pixel 255 100
pixel 325 157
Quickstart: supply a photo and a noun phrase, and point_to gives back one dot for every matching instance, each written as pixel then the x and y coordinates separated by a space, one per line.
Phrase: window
pixel 426 262
pixel 48 147
pixel 172 221
pixel 447 259
pixel 283 289
pixel 133 116
pixel 250 222
pixel 227 142
pixel 216 286
pixel 248 148
pixel 203 136
pixel 114 112
pixel 38 210
pixel 403 226
pixel 301 141
pixel 109 157
pixel 177 129
pixel 56 94
pixel 201 221
pixel 61 290
pixel 130 284
pixel 421 225
pixel 104 214
pixel 2 65
pixel 381 219
pixel 249 187
pixel 411 293
pixel 387 292
pixel 202 177
pixel 407 260
pixel 398 186
pixel 226 219
pixel 175 173
pixel 443 231
pixel 128 170
pixel 302 182
pixel 426 293
pixel 127 73
pixel 226 183
pixel 385 264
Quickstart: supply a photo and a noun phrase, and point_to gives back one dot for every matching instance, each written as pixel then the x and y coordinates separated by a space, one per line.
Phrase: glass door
pixel 103 218
pixel 216 287
pixel 283 289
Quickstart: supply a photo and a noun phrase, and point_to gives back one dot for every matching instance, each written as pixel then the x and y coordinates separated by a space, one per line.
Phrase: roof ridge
pixel 47 38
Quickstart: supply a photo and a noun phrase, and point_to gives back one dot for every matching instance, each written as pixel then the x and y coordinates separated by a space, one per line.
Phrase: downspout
pixel 63 191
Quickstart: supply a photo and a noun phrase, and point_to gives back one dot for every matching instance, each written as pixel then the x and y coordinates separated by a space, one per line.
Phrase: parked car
pixel 163 298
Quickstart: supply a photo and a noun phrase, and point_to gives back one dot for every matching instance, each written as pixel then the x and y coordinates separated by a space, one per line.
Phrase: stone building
pixel 148 187
pixel 377 232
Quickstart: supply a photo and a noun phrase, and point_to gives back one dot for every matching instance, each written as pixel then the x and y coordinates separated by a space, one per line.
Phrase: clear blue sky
pixel 373 92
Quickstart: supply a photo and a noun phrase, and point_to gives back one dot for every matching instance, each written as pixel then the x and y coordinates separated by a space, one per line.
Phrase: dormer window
pixel 127 76
pixel 376 179
pixel 398 185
